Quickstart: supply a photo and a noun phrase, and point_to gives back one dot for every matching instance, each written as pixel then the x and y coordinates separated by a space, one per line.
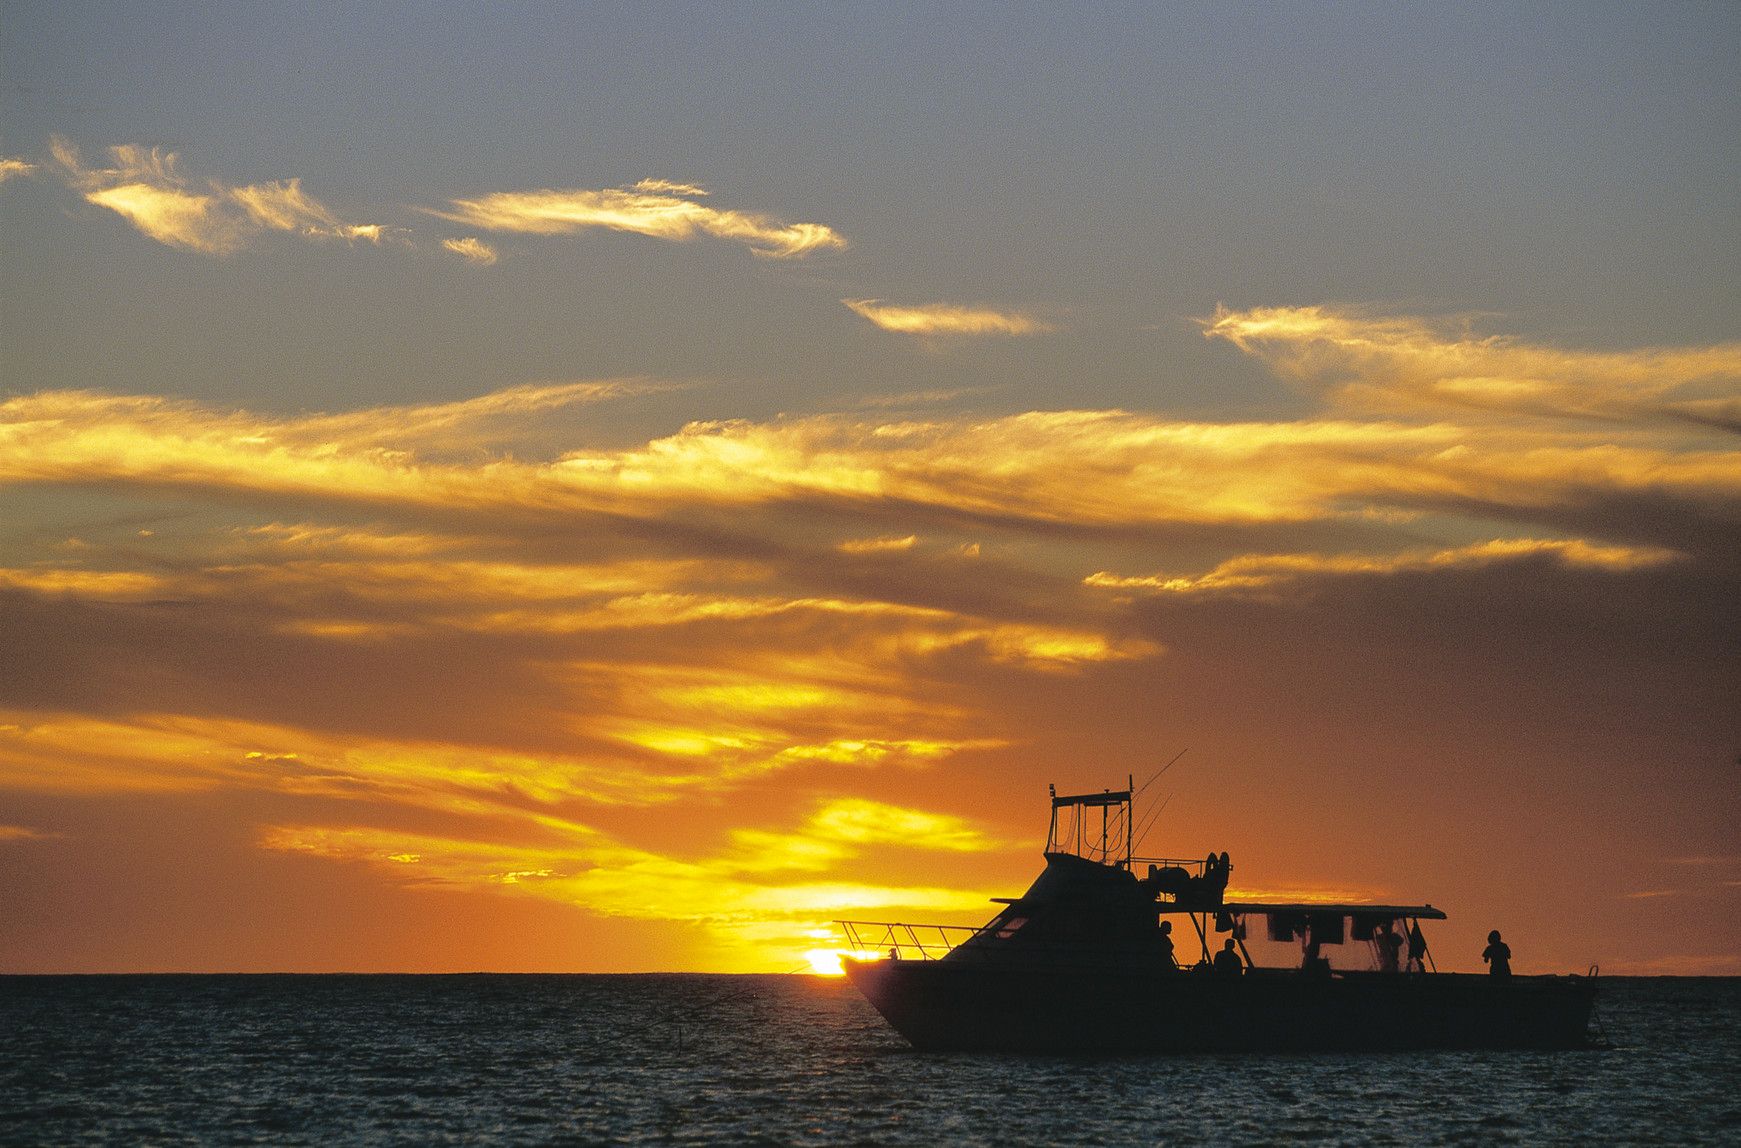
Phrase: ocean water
pixel 778 1060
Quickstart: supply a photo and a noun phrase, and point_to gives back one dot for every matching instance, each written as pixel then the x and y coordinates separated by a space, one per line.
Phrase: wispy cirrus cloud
pixel 671 187
pixel 653 208
pixel 1255 572
pixel 1406 364
pixel 878 545
pixel 1105 469
pixel 24 833
pixel 947 319
pixel 472 250
pixel 188 433
pixel 283 206
pixel 147 188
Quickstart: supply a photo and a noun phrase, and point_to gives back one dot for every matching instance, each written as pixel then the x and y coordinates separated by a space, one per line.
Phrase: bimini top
pixel 1272 908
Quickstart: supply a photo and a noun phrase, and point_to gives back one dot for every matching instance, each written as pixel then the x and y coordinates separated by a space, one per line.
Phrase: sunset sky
pixel 569 487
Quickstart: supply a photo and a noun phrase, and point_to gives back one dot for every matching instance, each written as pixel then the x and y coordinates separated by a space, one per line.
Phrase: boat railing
pixel 904 941
pixel 901 941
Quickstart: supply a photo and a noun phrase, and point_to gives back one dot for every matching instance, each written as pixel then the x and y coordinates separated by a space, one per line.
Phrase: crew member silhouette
pixel 1167 945
pixel 1228 962
pixel 1314 965
pixel 1389 946
pixel 1497 954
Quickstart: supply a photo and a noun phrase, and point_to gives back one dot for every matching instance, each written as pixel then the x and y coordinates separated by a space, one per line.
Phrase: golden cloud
pixel 173 217
pixel 11 166
pixel 947 319
pixel 745 895
pixel 472 250
pixel 1407 364
pixel 1109 469
pixel 878 545
pixel 671 188
pixel 1260 571
pixel 862 822
pixel 284 206
pixel 652 208
pixel 146 187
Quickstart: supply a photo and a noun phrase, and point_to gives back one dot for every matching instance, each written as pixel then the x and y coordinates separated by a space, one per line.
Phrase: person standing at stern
pixel 1497 954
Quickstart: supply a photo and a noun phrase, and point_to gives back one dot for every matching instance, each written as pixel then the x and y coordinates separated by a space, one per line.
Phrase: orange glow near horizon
pixel 693 698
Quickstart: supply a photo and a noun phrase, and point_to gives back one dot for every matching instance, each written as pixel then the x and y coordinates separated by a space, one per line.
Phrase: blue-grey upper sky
pixel 1572 167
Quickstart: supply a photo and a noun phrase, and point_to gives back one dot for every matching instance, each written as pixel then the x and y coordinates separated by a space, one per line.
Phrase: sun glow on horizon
pixel 830 962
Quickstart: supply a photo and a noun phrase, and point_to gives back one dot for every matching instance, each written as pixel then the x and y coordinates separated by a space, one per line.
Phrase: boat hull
pixel 975 1007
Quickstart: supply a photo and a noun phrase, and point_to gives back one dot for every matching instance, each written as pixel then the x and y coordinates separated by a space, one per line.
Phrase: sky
pixel 623 487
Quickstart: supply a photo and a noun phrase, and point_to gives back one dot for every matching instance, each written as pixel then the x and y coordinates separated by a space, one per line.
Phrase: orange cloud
pixel 105 584
pixel 1259 571
pixel 946 319
pixel 24 833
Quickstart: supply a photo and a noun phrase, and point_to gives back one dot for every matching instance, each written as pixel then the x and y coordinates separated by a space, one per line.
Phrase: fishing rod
pixel 1150 824
pixel 1159 772
pixel 1137 840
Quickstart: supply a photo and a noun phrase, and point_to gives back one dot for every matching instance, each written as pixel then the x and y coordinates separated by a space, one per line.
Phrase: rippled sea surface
pixel 785 1060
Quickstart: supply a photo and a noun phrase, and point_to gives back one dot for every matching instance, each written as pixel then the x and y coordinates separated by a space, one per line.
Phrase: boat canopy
pixel 1271 908
pixel 1107 797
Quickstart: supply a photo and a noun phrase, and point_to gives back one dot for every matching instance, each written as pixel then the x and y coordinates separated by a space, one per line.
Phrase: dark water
pixel 786 1060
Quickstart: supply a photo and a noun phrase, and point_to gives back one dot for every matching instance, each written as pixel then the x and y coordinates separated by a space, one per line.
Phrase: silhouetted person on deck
pixel 1166 946
pixel 1314 966
pixel 1228 962
pixel 1389 947
pixel 1497 954
pixel 1417 949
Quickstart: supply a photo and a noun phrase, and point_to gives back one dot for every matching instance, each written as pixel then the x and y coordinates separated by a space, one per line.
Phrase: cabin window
pixel 1009 927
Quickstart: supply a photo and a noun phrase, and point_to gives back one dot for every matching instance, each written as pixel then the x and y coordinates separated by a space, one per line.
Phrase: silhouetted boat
pixel 1083 962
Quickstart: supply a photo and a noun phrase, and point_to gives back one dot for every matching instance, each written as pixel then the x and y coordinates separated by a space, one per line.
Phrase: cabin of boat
pixel 1089 959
